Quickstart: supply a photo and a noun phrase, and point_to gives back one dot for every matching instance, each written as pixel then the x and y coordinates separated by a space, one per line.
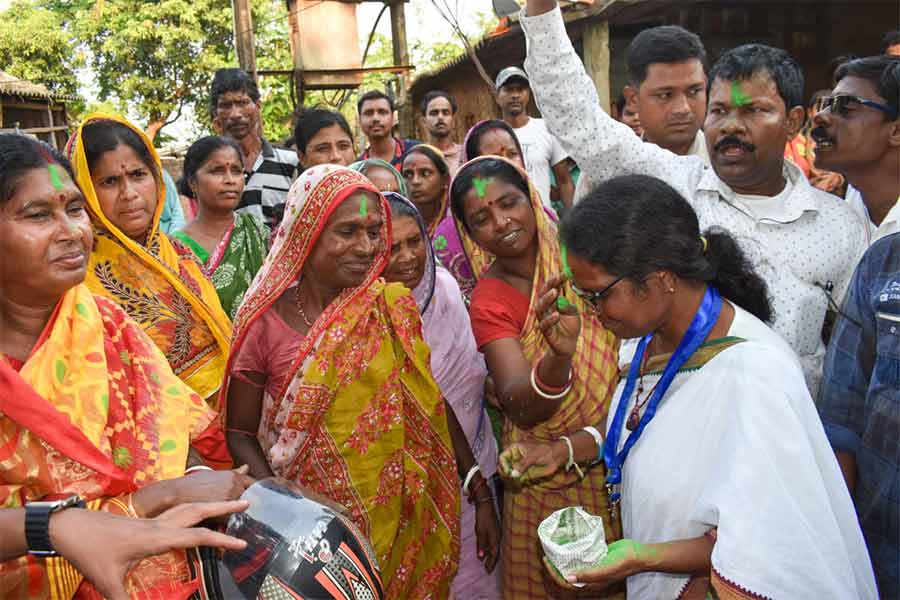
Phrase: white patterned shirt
pixel 809 243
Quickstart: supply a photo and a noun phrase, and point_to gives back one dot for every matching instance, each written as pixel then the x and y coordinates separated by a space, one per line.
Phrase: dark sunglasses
pixel 841 104
pixel 592 297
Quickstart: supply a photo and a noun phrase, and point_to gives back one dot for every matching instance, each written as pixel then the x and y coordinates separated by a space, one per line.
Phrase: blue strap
pixel 701 325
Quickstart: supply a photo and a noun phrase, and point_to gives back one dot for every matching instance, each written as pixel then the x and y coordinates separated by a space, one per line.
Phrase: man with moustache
pixel 376 119
pixel 857 134
pixel 667 88
pixel 541 150
pixel 268 171
pixel 438 111
pixel 802 241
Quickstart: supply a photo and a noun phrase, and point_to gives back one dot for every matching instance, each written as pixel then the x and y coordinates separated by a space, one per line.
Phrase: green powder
pixel 363 209
pixel 564 252
pixel 481 186
pixel 562 303
pixel 621 550
pixel 738 97
pixel 54 177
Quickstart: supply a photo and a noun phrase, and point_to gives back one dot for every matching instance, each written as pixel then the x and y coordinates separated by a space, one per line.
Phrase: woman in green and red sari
pixel 230 246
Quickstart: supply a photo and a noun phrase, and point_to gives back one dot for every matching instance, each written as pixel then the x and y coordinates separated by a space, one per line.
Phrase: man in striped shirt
pixel 268 171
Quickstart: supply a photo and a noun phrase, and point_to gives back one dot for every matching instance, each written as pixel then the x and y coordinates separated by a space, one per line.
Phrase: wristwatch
pixel 37 523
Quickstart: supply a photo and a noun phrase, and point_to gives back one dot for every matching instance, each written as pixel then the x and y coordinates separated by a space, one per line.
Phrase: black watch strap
pixel 37 523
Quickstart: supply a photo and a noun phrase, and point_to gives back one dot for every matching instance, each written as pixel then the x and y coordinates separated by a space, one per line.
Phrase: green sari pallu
pixel 235 260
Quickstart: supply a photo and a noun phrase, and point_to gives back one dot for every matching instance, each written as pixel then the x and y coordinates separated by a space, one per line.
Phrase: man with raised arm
pixel 804 242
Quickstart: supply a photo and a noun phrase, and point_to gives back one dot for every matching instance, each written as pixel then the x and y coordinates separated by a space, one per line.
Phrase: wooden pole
pixel 296 56
pixel 596 59
pixel 243 36
pixel 401 57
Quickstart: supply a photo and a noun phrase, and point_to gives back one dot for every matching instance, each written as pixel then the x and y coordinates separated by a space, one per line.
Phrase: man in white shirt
pixel 542 151
pixel 802 241
pixel 857 134
pixel 667 88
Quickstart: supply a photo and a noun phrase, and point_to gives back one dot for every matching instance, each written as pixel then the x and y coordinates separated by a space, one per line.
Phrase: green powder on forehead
pixel 55 180
pixel 363 208
pixel 564 253
pixel 481 185
pixel 738 97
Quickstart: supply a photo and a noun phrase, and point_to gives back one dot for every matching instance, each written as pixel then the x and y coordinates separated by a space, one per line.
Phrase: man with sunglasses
pixel 803 241
pixel 857 134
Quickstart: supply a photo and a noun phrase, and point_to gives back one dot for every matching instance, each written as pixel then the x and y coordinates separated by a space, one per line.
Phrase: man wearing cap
pixel 542 150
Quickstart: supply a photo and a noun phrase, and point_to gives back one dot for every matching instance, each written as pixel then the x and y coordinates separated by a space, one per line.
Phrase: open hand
pixel 524 462
pixel 559 319
pixel 104 547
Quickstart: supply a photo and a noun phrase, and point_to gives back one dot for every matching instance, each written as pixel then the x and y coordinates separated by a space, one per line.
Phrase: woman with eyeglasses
pixel 553 372
pixel 713 448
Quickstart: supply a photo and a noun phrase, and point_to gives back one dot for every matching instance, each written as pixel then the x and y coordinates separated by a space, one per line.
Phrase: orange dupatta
pixel 95 411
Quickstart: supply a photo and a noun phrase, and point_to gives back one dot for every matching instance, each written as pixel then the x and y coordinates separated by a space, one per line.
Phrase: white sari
pixel 736 445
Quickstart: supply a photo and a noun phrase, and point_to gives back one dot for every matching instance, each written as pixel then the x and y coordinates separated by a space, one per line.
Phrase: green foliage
pixel 156 57
pixel 35 46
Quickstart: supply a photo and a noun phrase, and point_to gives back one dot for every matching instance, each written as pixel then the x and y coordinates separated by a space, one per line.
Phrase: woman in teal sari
pixel 231 246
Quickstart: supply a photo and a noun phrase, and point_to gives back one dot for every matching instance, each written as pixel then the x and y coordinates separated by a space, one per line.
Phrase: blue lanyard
pixel 702 324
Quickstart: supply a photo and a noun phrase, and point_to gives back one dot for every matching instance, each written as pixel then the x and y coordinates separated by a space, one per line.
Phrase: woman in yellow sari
pixel 549 380
pixel 135 265
pixel 329 382
pixel 88 404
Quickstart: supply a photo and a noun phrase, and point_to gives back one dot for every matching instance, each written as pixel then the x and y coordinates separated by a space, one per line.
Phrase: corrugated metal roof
pixel 13 86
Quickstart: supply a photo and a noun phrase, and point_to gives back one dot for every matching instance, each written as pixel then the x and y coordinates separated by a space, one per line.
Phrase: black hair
pixel 883 72
pixel 620 103
pixel 374 95
pixel 663 44
pixel 474 138
pixel 438 94
pixel 19 154
pixel 635 225
pixel 891 38
pixel 488 168
pixel 311 121
pixel 198 154
pixel 231 80
pixel 439 162
pixel 402 209
pixel 103 136
pixel 744 62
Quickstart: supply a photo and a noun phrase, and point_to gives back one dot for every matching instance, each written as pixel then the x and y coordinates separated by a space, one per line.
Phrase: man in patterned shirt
pixel 860 404
pixel 268 171
pixel 802 241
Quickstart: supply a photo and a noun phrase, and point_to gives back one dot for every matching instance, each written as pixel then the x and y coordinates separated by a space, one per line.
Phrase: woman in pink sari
pixel 459 371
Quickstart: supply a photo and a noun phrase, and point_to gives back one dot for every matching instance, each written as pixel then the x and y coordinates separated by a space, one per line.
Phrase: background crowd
pixel 681 315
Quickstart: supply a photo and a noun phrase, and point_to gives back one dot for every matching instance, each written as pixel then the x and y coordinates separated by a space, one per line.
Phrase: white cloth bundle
pixel 573 540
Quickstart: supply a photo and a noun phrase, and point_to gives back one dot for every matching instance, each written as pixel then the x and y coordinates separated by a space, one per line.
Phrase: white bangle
pixel 469 476
pixel 597 438
pixel 195 468
pixel 571 462
pixel 545 395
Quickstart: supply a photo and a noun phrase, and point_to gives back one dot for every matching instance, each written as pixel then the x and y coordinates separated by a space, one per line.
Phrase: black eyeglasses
pixel 841 104
pixel 592 297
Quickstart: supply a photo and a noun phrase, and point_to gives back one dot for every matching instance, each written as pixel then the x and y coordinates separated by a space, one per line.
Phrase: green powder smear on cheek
pixel 55 180
pixel 363 208
pixel 481 186
pixel 738 97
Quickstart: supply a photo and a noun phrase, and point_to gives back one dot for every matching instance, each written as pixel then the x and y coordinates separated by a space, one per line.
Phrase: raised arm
pixel 568 101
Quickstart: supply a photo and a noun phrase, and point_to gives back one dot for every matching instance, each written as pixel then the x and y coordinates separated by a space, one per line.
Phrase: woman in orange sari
pixel 88 404
pixel 135 265
pixel 329 382
pixel 548 379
